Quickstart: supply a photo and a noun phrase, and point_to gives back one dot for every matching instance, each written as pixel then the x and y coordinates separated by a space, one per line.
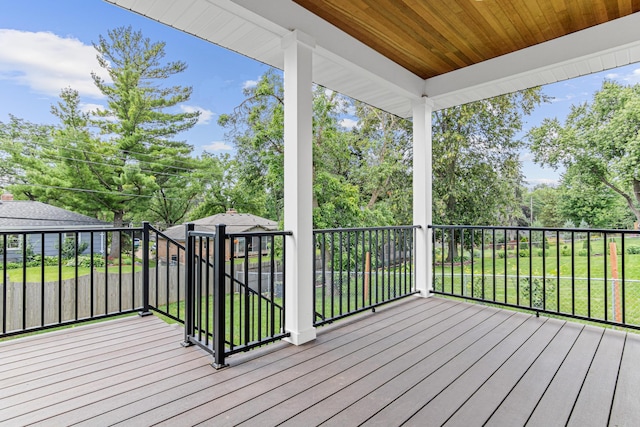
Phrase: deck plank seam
pixel 381 339
pixel 419 327
pixel 461 334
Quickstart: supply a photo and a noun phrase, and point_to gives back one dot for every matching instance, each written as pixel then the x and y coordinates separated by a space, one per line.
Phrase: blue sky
pixel 45 45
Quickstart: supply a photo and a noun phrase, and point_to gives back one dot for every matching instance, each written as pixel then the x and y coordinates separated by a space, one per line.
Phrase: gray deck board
pixel 594 402
pixel 626 403
pixel 479 407
pixel 418 362
pixel 453 396
pixel 552 409
pixel 522 399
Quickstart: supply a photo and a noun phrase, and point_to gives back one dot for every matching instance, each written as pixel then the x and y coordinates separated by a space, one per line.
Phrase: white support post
pixel 298 186
pixel 422 191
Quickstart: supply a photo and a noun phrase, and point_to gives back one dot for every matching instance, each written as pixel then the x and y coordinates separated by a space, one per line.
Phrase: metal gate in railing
pixel 229 308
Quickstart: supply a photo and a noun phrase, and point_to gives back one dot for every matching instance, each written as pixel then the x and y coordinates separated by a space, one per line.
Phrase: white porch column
pixel 422 190
pixel 298 186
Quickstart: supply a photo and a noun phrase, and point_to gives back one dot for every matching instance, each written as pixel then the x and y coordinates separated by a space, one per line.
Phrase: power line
pixel 56 146
pixel 83 190
pixel 112 165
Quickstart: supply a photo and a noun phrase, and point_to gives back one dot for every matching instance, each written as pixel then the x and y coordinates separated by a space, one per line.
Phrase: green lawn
pixel 573 284
pixel 34 274
pixel 248 317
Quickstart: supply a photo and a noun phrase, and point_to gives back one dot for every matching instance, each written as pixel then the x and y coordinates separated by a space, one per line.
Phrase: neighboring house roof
pixel 24 214
pixel 235 222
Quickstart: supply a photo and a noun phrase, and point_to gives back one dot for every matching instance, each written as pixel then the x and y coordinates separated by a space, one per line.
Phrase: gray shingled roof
pixel 23 214
pixel 235 222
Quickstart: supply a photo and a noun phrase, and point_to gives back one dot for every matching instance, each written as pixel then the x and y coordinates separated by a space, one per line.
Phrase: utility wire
pixel 56 146
pixel 113 193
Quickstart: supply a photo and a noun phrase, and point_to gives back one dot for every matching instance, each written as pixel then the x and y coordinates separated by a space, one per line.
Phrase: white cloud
pixel 631 77
pixel 249 84
pixel 47 63
pixel 217 146
pixel 567 97
pixel 547 181
pixel 87 108
pixel 348 123
pixel 205 115
pixel 526 157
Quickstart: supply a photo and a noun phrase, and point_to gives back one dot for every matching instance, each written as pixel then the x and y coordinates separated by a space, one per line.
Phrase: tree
pixel 135 123
pixel 476 170
pixel 599 142
pixel 118 161
pixel 256 128
pixel 596 205
pixel 383 169
pixel 546 206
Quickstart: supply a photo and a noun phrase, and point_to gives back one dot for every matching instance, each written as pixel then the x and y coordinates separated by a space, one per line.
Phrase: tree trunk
pixel 114 251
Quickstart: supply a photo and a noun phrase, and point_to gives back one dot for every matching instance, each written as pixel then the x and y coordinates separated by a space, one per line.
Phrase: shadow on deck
pixel 418 362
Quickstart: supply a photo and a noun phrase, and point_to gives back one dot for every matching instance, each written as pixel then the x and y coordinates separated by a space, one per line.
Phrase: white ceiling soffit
pixel 254 28
pixel 595 49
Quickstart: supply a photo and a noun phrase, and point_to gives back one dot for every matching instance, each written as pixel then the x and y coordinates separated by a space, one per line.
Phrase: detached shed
pixel 235 222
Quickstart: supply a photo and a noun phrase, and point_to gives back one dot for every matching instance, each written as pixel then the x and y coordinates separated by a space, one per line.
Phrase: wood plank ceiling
pixel 433 37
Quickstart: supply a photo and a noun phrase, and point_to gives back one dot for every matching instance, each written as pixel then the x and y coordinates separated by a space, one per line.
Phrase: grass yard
pixel 51 272
pixel 572 284
pixel 248 317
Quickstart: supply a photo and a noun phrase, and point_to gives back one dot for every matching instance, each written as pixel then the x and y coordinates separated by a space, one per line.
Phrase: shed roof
pixel 25 214
pixel 235 222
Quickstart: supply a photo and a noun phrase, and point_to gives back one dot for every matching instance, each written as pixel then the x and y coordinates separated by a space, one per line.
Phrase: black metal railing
pixel 235 297
pixel 166 274
pixel 586 274
pixel 53 277
pixel 357 269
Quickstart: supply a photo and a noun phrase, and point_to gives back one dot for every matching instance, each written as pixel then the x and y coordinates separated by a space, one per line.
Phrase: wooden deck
pixel 419 362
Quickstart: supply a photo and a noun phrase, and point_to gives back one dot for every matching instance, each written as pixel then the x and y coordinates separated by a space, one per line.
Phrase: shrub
pixel 582 252
pixel 85 261
pixel 524 253
pixel 501 254
pixel 632 250
pixel 565 251
pixel 537 291
pixel 68 249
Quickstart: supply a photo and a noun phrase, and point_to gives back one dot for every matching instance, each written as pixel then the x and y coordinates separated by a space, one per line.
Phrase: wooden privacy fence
pixel 34 304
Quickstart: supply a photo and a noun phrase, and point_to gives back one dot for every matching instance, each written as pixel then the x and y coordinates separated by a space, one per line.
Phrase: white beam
pixel 298 186
pixel 422 193
pixel 612 44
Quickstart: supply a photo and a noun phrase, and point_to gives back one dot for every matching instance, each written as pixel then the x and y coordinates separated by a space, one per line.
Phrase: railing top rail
pixel 564 230
pixel 261 233
pixel 195 233
pixel 344 230
pixel 212 234
pixel 79 229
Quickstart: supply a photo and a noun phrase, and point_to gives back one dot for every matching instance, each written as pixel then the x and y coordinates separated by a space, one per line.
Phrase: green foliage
pixel 599 146
pixel 85 261
pixel 117 161
pixel 68 249
pixel 474 185
pixel 537 291
pixel 632 250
